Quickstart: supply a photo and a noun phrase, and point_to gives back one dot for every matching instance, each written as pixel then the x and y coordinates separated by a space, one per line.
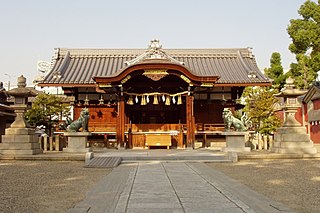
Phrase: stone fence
pixel 55 143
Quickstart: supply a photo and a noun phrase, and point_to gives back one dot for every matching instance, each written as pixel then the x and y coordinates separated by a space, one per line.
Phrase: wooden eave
pixel 310 94
pixel 65 85
pixel 174 69
pixel 243 84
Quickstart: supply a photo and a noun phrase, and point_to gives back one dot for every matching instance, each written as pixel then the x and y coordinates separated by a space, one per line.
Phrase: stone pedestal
pixel 235 142
pixel 77 142
pixel 293 140
pixel 20 141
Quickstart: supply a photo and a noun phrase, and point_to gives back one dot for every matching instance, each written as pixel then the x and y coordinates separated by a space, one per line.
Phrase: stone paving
pixel 172 187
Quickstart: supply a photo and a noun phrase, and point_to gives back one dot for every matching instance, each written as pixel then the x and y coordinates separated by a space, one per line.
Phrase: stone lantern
pixel 292 137
pixel 20 138
pixel 290 95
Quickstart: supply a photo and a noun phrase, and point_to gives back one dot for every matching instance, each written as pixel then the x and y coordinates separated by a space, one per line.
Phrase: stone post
pixel 260 142
pixel 265 142
pixel 51 143
pixel 45 142
pixel 270 142
pixel 57 143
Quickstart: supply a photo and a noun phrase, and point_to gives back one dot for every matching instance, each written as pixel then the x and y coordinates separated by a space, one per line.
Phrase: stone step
pixel 292 137
pixel 104 162
pixel 285 144
pixel 292 130
pixel 19 145
pixel 302 150
pixel 19 138
pixel 214 158
pixel 21 152
pixel 218 144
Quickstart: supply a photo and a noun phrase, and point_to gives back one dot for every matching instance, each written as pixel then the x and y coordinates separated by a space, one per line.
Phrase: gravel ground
pixel 45 186
pixel 295 183
pixel 56 186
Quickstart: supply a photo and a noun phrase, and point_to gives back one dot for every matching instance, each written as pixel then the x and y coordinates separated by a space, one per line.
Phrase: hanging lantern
pixel 101 100
pixel 130 100
pixel 147 99
pixel 143 100
pixel 173 100
pixel 163 98
pixel 86 100
pixel 167 101
pixel 137 100
pixel 179 100
pixel 155 99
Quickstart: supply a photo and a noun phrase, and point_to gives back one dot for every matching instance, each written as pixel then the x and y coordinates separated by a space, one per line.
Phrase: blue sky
pixel 30 30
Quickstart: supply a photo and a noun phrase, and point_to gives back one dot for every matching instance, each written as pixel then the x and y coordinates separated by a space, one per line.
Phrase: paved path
pixel 172 187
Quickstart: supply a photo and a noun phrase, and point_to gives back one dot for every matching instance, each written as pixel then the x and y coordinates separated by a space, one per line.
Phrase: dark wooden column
pixel 121 122
pixel 190 122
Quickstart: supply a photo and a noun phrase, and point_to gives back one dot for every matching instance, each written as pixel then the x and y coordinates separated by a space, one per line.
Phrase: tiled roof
pixel 313 93
pixel 79 66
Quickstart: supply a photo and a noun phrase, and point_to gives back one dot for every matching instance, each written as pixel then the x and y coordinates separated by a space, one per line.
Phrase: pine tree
pixel 275 72
pixel 305 35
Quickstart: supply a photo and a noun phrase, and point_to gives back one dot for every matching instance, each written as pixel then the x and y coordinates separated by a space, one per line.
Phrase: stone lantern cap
pixel 290 90
pixel 21 90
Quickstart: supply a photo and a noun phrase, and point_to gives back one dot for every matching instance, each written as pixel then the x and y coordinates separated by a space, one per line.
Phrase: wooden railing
pixel 111 127
pixel 153 127
pixel 209 127
pixel 102 127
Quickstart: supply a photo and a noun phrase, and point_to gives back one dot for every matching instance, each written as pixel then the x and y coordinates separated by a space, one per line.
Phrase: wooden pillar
pixel 121 122
pixel 190 122
pixel 180 136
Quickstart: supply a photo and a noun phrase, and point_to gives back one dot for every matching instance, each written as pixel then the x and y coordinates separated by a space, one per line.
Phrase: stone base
pixel 197 145
pixel 20 141
pixel 243 149
pixel 235 142
pixel 77 142
pixel 317 146
pixel 83 150
pixel 293 140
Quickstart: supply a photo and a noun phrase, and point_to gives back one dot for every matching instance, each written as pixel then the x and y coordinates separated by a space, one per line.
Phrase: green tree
pixel 260 103
pixel 47 110
pixel 275 71
pixel 302 72
pixel 305 35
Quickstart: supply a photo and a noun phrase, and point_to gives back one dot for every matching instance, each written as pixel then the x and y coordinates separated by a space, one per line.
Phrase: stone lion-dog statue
pixel 231 121
pixel 82 121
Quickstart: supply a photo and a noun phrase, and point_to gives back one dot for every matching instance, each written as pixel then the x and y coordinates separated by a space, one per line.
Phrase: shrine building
pixel 154 96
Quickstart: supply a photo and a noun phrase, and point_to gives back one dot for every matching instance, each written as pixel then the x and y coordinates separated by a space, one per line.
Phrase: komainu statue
pixel 230 121
pixel 82 121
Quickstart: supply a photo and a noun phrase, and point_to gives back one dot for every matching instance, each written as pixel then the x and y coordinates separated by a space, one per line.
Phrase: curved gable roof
pixel 79 66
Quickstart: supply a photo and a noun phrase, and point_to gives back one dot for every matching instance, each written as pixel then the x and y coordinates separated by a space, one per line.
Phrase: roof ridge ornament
pixel 154 51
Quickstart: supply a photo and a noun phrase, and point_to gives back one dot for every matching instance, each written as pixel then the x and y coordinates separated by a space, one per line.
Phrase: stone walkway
pixel 172 187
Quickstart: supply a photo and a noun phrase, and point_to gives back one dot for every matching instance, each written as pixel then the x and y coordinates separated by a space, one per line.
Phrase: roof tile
pixel 78 66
